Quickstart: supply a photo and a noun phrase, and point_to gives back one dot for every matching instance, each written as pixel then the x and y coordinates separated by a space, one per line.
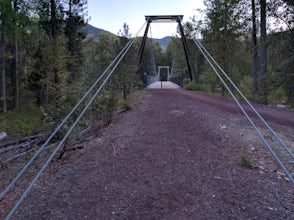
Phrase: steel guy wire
pixel 64 120
pixel 246 115
pixel 125 50
pixel 59 126
pixel 252 107
pixel 246 100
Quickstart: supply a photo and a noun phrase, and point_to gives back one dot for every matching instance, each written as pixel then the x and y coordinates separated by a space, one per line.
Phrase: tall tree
pixel 15 61
pixel 263 52
pixel 222 33
pixel 255 49
pixel 53 20
pixel 126 71
pixel 4 27
pixel 3 73
pixel 74 22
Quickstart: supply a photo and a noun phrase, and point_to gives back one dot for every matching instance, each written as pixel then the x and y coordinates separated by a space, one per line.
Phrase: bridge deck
pixel 163 85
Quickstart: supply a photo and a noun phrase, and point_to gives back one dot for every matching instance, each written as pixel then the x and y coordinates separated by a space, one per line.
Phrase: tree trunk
pixel 15 68
pixel 263 52
pixel 255 50
pixel 3 74
pixel 15 75
pixel 70 32
pixel 54 35
pixel 53 20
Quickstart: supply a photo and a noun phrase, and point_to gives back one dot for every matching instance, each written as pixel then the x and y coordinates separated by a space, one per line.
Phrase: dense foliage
pixel 253 43
pixel 48 61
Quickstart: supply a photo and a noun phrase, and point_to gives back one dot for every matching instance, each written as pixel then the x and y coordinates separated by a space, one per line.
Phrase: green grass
pixel 23 122
pixel 246 162
pixel 192 85
pixel 125 105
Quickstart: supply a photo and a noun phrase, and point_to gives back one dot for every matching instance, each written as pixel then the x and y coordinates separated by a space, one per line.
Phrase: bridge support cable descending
pixel 115 62
pixel 214 65
pixel 248 102
pixel 168 18
pixel 62 123
pixel 245 99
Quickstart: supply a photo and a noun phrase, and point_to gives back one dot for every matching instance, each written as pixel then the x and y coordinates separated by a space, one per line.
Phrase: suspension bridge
pixel 248 110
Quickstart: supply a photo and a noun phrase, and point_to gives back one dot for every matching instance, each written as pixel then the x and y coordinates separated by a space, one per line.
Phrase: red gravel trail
pixel 170 157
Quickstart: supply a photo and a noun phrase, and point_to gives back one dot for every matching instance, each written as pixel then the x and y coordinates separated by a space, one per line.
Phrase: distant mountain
pixel 163 42
pixel 93 31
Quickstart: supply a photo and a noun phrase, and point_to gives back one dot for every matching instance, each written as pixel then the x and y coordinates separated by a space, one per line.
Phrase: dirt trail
pixel 173 156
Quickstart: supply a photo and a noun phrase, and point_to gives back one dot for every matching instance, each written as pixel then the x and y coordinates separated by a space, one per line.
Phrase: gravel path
pixel 173 156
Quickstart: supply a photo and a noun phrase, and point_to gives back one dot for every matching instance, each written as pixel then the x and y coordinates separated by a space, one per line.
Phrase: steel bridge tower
pixel 168 18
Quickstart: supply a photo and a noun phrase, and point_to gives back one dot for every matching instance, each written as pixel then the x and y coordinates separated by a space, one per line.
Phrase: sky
pixel 110 15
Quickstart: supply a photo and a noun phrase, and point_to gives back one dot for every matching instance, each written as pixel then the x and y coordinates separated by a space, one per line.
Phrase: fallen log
pixel 9 143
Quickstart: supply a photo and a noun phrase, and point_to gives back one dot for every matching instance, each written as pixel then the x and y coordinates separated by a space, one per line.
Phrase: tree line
pixel 252 41
pixel 41 46
pixel 47 60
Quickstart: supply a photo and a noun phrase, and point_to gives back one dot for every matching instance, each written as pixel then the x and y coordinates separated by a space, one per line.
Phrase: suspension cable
pixel 246 100
pixel 210 59
pixel 118 59
pixel 60 125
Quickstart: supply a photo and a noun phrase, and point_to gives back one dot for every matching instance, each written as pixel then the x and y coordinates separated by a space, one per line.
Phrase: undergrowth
pixel 23 122
pixel 125 105
pixel 246 162
pixel 192 85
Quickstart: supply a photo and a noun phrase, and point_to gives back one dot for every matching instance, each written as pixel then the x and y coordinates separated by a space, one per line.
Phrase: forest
pixel 48 60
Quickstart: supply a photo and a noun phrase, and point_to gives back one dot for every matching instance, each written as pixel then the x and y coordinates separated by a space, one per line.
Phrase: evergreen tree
pixel 255 50
pixel 5 19
pixel 263 52
pixel 126 68
pixel 222 35
pixel 74 21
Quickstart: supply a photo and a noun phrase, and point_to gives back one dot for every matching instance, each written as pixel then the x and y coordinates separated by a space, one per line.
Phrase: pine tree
pixel 126 70
pixel 74 21
pixel 263 52
pixel 221 34
pixel 6 20
pixel 255 50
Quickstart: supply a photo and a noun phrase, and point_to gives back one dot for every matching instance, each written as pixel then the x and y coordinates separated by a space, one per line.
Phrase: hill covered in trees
pixel 94 31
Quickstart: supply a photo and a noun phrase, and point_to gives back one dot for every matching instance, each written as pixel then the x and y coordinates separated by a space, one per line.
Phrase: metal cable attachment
pixel 214 65
pixel 116 61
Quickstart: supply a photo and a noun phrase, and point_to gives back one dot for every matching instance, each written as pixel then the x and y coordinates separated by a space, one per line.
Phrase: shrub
pixel 246 162
pixel 125 105
pixel 192 85
pixel 278 96
pixel 23 122
pixel 106 106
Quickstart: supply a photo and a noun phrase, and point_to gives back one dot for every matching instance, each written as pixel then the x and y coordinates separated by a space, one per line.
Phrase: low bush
pixel 23 122
pixel 192 85
pixel 246 162
pixel 125 105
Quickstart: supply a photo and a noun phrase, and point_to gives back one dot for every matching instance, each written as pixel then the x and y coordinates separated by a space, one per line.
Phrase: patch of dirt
pixel 175 155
